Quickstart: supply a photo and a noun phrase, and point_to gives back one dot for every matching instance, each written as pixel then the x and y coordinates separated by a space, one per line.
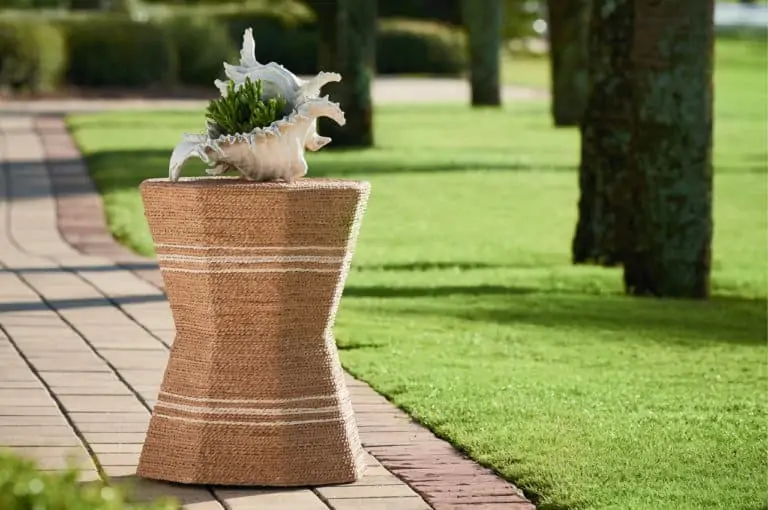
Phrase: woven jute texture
pixel 253 393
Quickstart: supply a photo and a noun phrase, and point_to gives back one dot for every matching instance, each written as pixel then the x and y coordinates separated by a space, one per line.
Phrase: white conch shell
pixel 275 152
pixel 271 153
pixel 277 80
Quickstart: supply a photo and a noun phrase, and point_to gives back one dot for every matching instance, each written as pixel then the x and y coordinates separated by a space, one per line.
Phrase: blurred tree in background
pixel 483 20
pixel 568 30
pixel 347 45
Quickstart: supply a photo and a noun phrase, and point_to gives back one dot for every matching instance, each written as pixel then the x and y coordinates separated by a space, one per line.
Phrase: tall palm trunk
pixel 669 250
pixel 568 29
pixel 483 20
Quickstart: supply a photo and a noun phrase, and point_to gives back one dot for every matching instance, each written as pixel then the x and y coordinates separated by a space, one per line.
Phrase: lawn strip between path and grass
pixel 463 307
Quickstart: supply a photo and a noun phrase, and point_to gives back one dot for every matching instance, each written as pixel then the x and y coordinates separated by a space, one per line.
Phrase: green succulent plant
pixel 242 110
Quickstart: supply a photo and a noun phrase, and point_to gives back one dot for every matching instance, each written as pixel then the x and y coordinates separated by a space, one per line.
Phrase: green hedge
pixel 403 46
pixel 291 42
pixel 33 55
pixel 201 45
pixel 419 47
pixel 24 487
pixel 112 50
pixel 107 51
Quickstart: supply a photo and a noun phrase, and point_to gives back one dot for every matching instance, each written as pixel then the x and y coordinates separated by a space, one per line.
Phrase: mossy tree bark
pixel 483 21
pixel 669 249
pixel 568 29
pixel 347 35
pixel 605 133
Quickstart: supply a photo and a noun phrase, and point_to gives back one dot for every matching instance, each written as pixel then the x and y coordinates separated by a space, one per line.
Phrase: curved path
pixel 84 337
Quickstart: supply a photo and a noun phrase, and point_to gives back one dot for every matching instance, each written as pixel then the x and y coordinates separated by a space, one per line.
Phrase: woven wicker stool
pixel 253 393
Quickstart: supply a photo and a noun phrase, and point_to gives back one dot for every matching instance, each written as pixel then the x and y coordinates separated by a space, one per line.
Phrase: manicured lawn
pixel 532 70
pixel 525 70
pixel 463 307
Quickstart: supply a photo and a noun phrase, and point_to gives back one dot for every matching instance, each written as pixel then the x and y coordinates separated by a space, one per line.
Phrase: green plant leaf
pixel 243 109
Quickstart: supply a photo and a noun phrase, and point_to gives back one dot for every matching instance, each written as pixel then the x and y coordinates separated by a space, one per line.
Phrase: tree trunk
pixel 605 134
pixel 483 20
pixel 325 11
pixel 669 250
pixel 568 29
pixel 347 35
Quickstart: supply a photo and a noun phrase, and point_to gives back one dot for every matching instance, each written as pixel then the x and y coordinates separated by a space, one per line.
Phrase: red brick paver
pixel 84 333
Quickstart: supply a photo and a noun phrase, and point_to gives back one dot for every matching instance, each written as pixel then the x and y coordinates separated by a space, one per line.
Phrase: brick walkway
pixel 84 337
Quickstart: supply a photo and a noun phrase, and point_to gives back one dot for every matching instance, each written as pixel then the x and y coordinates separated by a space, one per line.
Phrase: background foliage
pixel 132 45
pixel 32 55
pixel 24 487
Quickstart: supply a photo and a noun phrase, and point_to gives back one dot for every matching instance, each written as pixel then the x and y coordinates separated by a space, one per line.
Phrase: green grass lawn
pixel 532 70
pixel 463 308
pixel 525 70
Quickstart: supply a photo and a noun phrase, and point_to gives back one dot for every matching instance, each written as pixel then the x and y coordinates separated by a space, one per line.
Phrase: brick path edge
pixel 444 477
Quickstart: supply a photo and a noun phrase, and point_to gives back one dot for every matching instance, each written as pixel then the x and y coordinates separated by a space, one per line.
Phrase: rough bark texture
pixel 568 29
pixel 483 20
pixel 605 133
pixel 347 35
pixel 669 253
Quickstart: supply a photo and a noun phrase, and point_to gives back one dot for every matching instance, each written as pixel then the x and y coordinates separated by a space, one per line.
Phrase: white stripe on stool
pixel 252 423
pixel 159 246
pixel 252 270
pixel 249 401
pixel 249 260
pixel 246 411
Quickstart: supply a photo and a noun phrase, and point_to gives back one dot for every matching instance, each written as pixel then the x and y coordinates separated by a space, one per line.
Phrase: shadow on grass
pixel 437 291
pixel 432 266
pixel 351 346
pixel 694 323
pixel 153 163
pixel 726 320
pixel 118 170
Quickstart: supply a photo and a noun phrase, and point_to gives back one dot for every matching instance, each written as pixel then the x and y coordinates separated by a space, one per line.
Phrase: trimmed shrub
pixel 519 18
pixel 188 47
pixel 112 51
pixel 85 5
pixel 201 45
pixel 32 55
pixel 446 11
pixel 403 46
pixel 519 14
pixel 23 487
pixel 420 47
pixel 291 42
